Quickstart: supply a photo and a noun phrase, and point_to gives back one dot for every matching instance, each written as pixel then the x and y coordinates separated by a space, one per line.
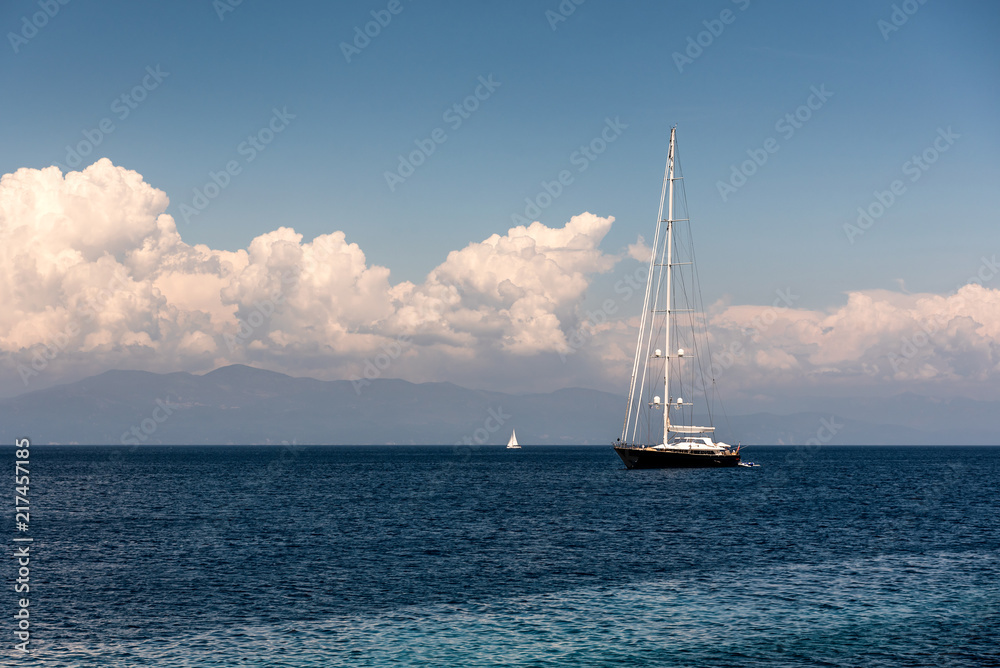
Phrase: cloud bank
pixel 879 339
pixel 96 276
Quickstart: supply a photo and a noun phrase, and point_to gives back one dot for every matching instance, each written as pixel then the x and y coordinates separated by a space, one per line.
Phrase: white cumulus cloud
pixel 94 275
pixel 900 341
pixel 97 276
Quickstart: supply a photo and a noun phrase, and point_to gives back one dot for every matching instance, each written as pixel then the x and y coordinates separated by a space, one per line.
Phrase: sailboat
pixel 660 432
pixel 512 443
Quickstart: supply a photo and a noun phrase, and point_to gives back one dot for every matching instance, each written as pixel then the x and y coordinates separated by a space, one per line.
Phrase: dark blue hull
pixel 647 458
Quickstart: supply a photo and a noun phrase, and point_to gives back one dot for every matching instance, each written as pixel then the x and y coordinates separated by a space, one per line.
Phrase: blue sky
pixel 892 92
pixel 613 60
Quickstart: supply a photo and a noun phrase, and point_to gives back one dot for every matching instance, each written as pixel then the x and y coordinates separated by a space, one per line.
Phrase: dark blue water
pixel 554 556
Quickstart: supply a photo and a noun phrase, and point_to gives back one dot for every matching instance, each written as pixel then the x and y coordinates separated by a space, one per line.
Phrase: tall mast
pixel 641 354
pixel 668 268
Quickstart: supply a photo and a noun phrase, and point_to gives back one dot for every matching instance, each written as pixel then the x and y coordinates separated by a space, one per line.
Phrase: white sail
pixel 690 429
pixel 512 443
pixel 671 353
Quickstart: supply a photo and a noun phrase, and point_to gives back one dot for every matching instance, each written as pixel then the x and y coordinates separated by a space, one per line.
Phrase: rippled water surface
pixel 548 556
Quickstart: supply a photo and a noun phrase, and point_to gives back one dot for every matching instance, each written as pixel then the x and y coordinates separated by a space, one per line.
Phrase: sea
pixel 482 556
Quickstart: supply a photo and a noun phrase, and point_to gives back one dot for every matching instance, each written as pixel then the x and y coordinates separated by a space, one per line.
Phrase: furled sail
pixel 687 429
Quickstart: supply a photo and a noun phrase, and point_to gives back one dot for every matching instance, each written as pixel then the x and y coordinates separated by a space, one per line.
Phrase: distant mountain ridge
pixel 243 405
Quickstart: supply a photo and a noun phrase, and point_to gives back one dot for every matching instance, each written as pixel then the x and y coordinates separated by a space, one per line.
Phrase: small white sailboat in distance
pixel 512 443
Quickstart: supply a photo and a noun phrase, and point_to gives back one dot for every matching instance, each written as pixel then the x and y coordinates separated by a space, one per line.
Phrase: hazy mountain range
pixel 242 405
